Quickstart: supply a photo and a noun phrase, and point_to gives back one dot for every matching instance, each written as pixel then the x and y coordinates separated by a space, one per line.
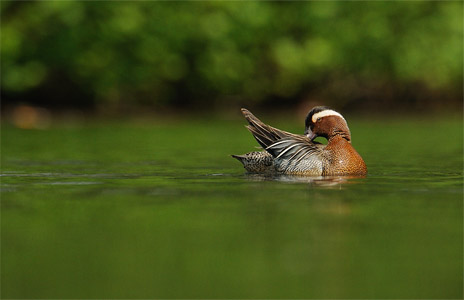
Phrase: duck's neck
pixel 340 137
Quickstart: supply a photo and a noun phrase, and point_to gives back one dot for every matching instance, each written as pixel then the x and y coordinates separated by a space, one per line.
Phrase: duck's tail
pixel 257 161
pixel 240 158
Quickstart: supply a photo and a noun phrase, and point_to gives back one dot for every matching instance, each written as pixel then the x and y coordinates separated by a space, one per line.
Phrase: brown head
pixel 325 122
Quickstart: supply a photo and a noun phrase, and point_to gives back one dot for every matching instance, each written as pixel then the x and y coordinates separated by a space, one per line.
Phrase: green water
pixel 159 210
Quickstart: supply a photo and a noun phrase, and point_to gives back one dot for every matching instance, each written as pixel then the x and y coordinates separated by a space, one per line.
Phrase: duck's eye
pixel 318 119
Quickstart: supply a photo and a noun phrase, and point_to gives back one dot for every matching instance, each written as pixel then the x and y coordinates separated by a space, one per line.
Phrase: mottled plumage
pixel 288 153
pixel 257 161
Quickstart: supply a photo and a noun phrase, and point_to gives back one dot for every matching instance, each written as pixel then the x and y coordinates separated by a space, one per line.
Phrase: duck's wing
pixel 279 143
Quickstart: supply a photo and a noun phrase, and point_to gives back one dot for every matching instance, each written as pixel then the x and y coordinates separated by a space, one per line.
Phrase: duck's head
pixel 325 122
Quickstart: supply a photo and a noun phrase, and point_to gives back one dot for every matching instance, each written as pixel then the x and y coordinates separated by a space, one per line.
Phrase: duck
pixel 294 154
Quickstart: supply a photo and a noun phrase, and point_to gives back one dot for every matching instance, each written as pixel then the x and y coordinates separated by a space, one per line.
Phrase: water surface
pixel 160 210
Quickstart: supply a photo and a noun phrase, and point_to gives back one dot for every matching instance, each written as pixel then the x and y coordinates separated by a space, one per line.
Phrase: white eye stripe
pixel 326 113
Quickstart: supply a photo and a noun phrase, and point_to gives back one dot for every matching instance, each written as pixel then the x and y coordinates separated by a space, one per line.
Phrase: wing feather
pixel 280 144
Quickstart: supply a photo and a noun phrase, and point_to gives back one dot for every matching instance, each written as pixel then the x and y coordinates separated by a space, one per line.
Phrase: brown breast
pixel 342 158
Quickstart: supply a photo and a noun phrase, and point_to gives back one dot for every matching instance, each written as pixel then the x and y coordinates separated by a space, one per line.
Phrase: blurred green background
pixel 132 56
pixel 97 205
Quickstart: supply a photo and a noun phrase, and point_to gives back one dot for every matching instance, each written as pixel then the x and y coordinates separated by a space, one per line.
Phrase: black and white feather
pixel 292 152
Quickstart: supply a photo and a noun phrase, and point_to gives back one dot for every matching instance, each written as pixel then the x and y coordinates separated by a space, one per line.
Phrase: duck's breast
pixel 343 159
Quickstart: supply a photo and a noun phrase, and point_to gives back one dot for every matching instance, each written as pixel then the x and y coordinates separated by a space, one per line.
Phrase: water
pixel 159 210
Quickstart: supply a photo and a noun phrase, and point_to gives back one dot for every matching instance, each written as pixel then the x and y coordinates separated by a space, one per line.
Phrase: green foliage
pixel 162 52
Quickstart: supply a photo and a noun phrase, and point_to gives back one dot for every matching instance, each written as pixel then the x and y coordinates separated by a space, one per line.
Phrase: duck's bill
pixel 311 135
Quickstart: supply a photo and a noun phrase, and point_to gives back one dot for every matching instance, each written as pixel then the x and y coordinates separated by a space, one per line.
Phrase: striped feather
pixel 280 144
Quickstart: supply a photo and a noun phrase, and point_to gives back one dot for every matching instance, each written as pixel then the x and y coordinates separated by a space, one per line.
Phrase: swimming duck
pixel 294 154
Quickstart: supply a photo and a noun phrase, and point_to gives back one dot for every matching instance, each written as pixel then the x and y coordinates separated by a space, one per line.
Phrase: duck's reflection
pixel 313 180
